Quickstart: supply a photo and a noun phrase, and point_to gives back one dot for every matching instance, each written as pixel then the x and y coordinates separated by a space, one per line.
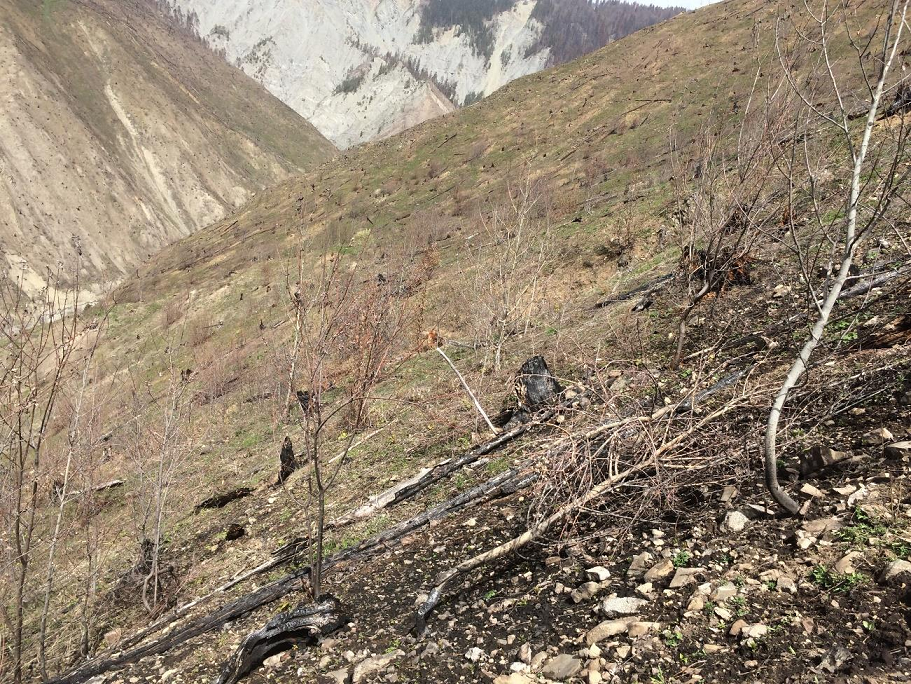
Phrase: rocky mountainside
pixel 365 69
pixel 121 134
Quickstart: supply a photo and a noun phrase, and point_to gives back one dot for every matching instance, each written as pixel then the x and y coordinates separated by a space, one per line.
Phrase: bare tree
pixel 510 256
pixel 879 172
pixel 39 337
pixel 347 332
pixel 723 197
pixel 159 439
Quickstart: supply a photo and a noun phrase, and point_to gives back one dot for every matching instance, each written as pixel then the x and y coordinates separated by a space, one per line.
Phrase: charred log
pixel 222 500
pixel 305 624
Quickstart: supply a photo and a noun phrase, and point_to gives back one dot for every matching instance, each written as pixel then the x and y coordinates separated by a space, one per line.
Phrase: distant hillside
pixel 361 70
pixel 120 134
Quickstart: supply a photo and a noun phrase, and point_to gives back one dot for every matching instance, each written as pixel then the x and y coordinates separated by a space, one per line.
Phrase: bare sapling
pixel 876 171
pixel 510 254
pixel 348 332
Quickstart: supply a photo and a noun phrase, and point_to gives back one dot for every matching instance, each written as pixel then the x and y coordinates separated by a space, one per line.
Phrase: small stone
pixel 847 490
pixel 737 627
pixel 896 569
pixel 607 629
pixel 585 592
pixel 273 661
pixel 518 667
pixel 594 677
pixel 845 565
pixel 898 450
pixel 474 654
pixel 820 457
pixel 112 638
pixel 712 648
pixel 696 603
pixel 620 606
pixel 525 653
pixel 562 667
pixel 685 576
pixel 735 521
pixel 639 564
pixel 638 629
pixel 622 651
pixel 594 651
pixel 538 660
pixel 728 493
pixel 660 570
pixel 371 666
pixel 645 589
pixel 811 491
pixel 756 631
pixel 338 676
pixel 724 592
pixel 723 613
pixel 786 583
pixel 877 437
pixel 514 678
pixel 821 526
pixel 598 574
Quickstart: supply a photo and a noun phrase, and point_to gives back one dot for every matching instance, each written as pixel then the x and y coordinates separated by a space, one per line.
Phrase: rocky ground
pixel 727 592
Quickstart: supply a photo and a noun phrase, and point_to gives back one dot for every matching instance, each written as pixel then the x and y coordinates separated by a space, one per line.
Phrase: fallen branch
pixel 647 464
pixel 477 404
pixel 222 500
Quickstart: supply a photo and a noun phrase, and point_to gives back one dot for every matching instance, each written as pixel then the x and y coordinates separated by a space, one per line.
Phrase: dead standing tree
pixel 876 170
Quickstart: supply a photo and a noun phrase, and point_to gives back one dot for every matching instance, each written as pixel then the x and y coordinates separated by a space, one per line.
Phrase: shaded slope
pixel 120 135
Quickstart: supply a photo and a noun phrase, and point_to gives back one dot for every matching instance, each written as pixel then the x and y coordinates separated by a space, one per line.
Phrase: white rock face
pixel 344 64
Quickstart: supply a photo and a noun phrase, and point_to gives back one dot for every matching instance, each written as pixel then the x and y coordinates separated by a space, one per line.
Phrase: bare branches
pixel 861 166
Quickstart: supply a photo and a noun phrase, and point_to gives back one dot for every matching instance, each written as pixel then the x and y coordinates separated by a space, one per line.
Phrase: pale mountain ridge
pixel 121 135
pixel 303 55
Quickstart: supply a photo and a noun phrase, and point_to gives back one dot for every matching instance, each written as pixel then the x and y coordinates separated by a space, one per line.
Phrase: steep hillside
pixel 566 199
pixel 120 135
pixel 362 70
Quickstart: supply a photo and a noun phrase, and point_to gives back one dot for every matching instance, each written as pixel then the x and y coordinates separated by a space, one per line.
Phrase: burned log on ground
pixel 222 500
pixel 504 484
pixel 305 624
pixel 287 460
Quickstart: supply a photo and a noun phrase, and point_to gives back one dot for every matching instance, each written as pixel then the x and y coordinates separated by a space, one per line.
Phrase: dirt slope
pixel 120 135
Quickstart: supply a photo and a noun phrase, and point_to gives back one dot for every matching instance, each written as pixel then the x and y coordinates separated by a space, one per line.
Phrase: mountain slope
pixel 594 140
pixel 120 135
pixel 366 69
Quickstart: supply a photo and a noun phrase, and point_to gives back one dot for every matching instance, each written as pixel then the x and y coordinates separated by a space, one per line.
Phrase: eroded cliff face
pixel 120 135
pixel 360 69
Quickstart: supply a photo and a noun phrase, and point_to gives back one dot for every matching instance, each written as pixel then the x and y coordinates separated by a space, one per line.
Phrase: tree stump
pixel 287 460
pixel 535 385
